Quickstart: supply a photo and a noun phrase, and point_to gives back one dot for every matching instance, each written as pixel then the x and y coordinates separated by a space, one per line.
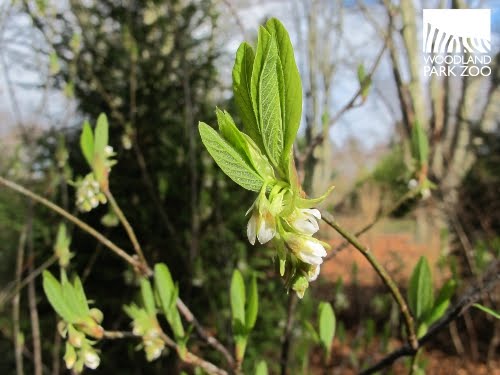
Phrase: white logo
pixel 456 31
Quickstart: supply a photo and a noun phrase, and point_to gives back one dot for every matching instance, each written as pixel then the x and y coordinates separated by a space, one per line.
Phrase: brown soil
pixel 398 252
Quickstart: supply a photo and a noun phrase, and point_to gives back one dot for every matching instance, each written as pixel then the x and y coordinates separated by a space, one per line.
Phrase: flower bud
pixel 75 337
pixel 97 315
pixel 69 356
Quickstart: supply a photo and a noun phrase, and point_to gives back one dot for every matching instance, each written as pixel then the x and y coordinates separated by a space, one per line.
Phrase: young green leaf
pixel 313 202
pixel 87 143
pixel 420 292
pixel 244 145
pixel 52 289
pixel 238 300
pixel 164 285
pixel 292 105
pixel 73 297
pixel 442 302
pixel 326 326
pixel 242 76
pixel 252 304
pixel 487 310
pixel 261 368
pixel 80 295
pixel 101 134
pixel 270 120
pixel 167 294
pixel 229 160
pixel 148 296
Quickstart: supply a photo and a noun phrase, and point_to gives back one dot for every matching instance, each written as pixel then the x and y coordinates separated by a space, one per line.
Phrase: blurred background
pixel 156 68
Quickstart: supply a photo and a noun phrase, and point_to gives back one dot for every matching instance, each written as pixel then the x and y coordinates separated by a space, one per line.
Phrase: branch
pixel 128 228
pixel 186 357
pixel 488 282
pixel 386 278
pixel 188 315
pixel 287 337
pixel 212 341
pixel 381 214
pixel 82 225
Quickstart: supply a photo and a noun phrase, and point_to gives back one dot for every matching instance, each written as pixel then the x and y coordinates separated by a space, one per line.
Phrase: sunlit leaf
pixel 229 160
pixel 420 292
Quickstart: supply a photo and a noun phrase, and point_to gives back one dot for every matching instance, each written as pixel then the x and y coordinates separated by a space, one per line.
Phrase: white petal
pixel 266 231
pixel 309 258
pixel 252 229
pixel 306 226
pixel 313 273
pixel 91 360
pixel 314 212
pixel 316 248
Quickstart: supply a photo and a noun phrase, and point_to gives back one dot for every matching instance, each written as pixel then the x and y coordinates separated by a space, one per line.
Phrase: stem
pixel 128 228
pixel 34 317
pixel 187 357
pixel 85 227
pixel 287 334
pixel 18 345
pixel 386 278
pixel 409 195
pixel 212 341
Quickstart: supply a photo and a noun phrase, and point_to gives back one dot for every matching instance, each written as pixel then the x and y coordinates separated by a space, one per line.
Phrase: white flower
pixel 313 273
pixel 305 220
pixel 91 359
pixel 262 227
pixel 262 223
pixel 307 249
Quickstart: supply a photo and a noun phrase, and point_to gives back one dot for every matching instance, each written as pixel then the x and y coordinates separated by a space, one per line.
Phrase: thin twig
pixel 187 357
pixel 212 341
pixel 128 228
pixel 34 318
pixel 287 335
pixel 188 315
pixel 384 275
pixel 474 294
pixel 18 344
pixel 380 215
pixel 82 225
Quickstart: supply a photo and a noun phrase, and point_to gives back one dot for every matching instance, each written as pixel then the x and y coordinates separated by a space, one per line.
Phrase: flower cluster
pixel 88 193
pixel 146 326
pixel 79 349
pixel 290 229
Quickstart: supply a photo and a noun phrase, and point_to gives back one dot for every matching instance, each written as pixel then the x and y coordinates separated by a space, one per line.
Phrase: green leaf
pixel 487 310
pixel 87 143
pixel 326 326
pixel 261 368
pixel 420 292
pixel 420 144
pixel 53 291
pixel 228 159
pixel 242 76
pixel 270 120
pixel 101 134
pixel 148 296
pixel 237 293
pixel 314 335
pixel 164 285
pixel 364 81
pixel 252 304
pixel 167 294
pixel 292 106
pixel 442 302
pixel 73 298
pixel 83 304
pixel 313 202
